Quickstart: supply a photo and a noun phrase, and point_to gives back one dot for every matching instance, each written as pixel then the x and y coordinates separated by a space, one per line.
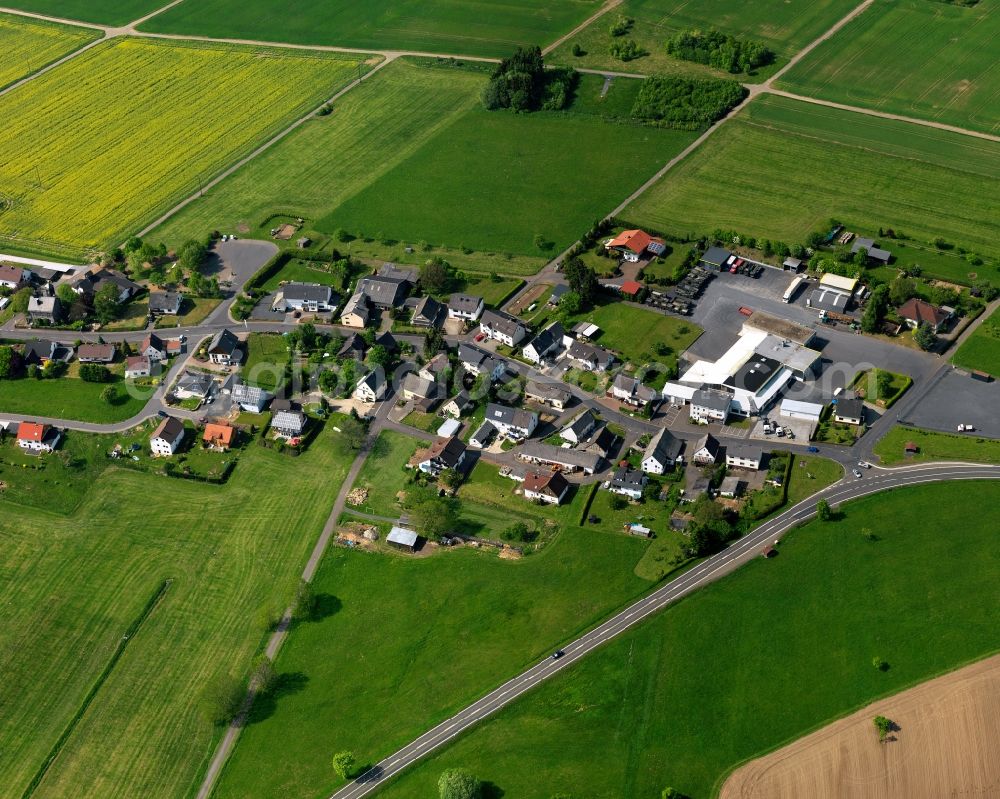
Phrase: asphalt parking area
pixel 958 399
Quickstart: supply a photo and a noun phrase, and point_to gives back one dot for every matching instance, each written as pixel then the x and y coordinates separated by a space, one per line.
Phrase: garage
pixel 796 409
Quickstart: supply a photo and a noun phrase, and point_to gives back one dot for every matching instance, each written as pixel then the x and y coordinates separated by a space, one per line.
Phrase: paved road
pixel 708 571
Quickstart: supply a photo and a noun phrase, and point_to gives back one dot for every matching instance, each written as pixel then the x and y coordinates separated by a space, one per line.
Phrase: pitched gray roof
pixel 307 292
pixel 464 303
pixel 664 447
pixel 514 417
pixel 713 400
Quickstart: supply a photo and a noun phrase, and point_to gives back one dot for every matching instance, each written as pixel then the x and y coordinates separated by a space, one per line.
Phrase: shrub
pixel 719 50
pixel 686 103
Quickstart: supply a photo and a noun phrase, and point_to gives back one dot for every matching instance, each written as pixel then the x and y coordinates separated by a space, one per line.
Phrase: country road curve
pixel 707 571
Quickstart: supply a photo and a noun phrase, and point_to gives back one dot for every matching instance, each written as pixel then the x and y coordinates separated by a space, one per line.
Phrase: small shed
pixel 449 428
pixel 303 243
pixel 910 448
pixel 402 538
pixel 768 552
pixel 792 264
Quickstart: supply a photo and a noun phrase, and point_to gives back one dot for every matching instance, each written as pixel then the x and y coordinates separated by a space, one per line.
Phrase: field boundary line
pixel 73 23
pixel 123 642
pixel 604 9
pixel 259 150
pixel 57 63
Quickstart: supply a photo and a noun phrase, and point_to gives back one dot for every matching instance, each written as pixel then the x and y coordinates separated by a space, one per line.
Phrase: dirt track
pixel 947 745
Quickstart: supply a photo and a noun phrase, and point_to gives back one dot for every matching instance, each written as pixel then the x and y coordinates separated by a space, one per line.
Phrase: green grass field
pixel 28 45
pixel 70 398
pixel 754 661
pixel 410 156
pixel 180 119
pixel 935 446
pixel 943 65
pixel 267 354
pixel 72 584
pixel 982 349
pixel 303 272
pixel 101 12
pixel 786 26
pixel 411 641
pixel 432 26
pixel 784 167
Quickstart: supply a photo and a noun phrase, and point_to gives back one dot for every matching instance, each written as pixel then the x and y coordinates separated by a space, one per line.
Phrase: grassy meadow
pixel 432 26
pixel 182 114
pixel 28 45
pixel 411 641
pixel 786 26
pixel 758 659
pixel 72 584
pixel 100 12
pixel 982 349
pixel 70 398
pixel 943 65
pixel 935 446
pixel 783 168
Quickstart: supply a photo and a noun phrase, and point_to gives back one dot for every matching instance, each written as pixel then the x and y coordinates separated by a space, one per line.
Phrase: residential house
pixel 219 436
pixel 477 362
pixel 428 313
pixel 569 460
pixel 354 347
pixel 153 348
pixel 13 277
pixel 287 420
pixel 630 391
pixel 250 398
pixel 444 453
pixel 225 349
pixel 191 385
pixel 634 244
pixel 588 356
pixel 357 312
pixel 174 347
pixel 581 427
pixel 167 437
pixel 387 340
pixel 387 289
pixel 513 423
pixel 744 457
pixel 548 487
pixel 372 387
pixel 545 343
pixel 436 368
pixel 44 309
pixel 483 435
pixel 91 283
pixel 849 411
pixel 96 353
pixel 708 404
pixel 662 453
pixel 38 352
pixel 916 312
pixel 700 486
pixel 627 482
pixel 424 393
pixel 164 303
pixel 876 255
pixel 138 366
pixel 465 306
pixel 503 328
pixel 602 443
pixel 459 404
pixel 557 294
pixel 706 450
pixel 547 394
pixel 306 297
pixel 36 437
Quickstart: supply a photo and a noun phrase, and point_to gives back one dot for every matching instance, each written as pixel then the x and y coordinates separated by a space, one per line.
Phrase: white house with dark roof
pixel 164 303
pixel 465 307
pixel 548 487
pixel 428 312
pixel 546 343
pixel 250 398
pixel 744 456
pixel 225 349
pixel 549 394
pixel 477 362
pixel 710 405
pixel 372 387
pixel 588 357
pixel 662 453
pixel 483 435
pixel 308 297
pixel 706 451
pixel 167 437
pixel 580 428
pixel 513 423
pixel 503 328
pixel 444 453
pixel 627 482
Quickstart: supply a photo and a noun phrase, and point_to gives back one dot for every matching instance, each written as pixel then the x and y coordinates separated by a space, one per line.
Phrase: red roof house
pixel 633 243
pixel 916 312
pixel 37 437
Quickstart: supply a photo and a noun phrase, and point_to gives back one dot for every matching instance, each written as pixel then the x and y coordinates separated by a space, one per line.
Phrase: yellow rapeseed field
pixel 28 45
pixel 98 146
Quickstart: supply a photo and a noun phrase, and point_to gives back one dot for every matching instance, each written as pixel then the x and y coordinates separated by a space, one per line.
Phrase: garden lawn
pixel 943 65
pixel 982 349
pixel 782 163
pixel 72 584
pixel 786 26
pixel 522 168
pixel 375 126
pixel 299 271
pixel 634 332
pixel 866 386
pixel 410 641
pixel 760 658
pixel 385 474
pixel 71 398
pixel 101 12
pixel 194 310
pixel 29 44
pixel 811 473
pixel 267 355
pixel 935 446
pixel 432 26
pixel 183 113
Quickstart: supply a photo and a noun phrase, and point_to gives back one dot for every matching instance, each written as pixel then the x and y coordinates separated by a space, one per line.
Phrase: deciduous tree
pixel 459 783
pixel 343 764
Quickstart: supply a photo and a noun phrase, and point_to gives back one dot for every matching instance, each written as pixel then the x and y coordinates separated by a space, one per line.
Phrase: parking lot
pixel 958 399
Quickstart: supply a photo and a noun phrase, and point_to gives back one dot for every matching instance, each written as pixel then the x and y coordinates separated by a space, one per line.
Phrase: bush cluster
pixel 686 103
pixel 521 83
pixel 719 50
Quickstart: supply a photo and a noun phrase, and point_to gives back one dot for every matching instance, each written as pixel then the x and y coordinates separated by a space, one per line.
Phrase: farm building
pixel 876 255
pixel 796 409
pixel 569 460
pixel 402 538
pixel 714 258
